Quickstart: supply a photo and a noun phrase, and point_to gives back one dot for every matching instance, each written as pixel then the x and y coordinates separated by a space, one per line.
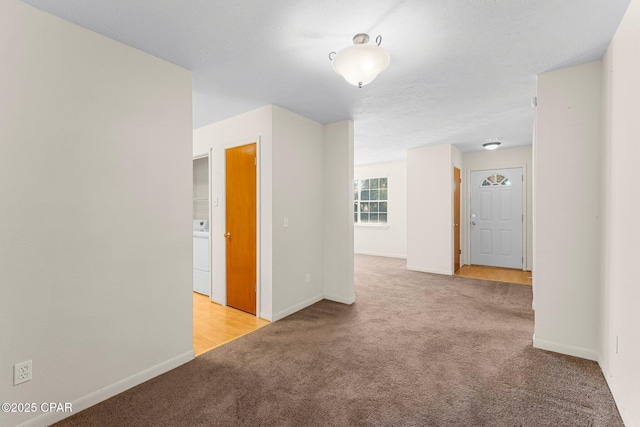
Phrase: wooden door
pixel 456 219
pixel 241 227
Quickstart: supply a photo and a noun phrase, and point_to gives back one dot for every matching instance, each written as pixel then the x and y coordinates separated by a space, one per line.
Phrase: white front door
pixel 496 218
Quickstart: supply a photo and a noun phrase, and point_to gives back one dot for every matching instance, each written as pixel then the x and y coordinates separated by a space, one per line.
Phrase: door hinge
pixel 255 288
pixel 459 251
pixel 255 161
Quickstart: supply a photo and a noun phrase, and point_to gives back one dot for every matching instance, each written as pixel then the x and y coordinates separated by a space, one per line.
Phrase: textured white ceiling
pixel 461 71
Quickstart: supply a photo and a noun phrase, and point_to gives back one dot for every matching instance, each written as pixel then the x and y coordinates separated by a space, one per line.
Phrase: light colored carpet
pixel 416 349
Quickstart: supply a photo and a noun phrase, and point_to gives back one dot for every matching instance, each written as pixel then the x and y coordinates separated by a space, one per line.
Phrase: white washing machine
pixel 201 258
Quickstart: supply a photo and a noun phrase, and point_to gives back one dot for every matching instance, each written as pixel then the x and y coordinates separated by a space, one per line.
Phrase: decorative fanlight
pixel 361 63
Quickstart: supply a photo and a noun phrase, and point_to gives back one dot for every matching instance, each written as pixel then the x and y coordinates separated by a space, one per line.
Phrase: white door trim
pixel 220 248
pixel 208 157
pixel 467 211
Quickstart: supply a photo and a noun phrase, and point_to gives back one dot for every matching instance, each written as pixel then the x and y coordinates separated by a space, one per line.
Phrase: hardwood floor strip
pixel 215 325
pixel 497 274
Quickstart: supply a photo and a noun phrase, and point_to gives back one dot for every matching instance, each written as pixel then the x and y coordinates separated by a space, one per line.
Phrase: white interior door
pixel 496 218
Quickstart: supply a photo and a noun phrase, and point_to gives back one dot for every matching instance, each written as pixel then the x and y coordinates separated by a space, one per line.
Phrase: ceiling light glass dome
pixel 361 63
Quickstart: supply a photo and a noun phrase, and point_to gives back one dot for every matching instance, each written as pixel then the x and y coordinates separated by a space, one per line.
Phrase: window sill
pixel 376 226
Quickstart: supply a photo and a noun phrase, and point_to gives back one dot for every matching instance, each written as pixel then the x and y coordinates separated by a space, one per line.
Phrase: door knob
pixel 473 223
pixel 227 235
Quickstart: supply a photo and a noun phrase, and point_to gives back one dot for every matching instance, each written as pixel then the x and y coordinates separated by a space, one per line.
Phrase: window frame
pixel 358 188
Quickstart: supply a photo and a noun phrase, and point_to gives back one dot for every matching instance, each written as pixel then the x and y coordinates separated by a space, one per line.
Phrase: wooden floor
pixel 498 274
pixel 214 324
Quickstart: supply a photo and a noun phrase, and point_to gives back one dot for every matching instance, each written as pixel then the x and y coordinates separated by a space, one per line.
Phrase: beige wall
pixel 621 234
pixel 589 138
pixel 430 229
pixel 338 210
pixel 95 201
pixel 567 177
pixel 297 195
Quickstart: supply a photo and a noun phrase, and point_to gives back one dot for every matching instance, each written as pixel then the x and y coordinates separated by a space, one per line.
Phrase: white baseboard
pixel 338 298
pixel 111 390
pixel 570 350
pixel 284 313
pixel 430 270
pixel 266 316
pixel 383 254
pixel 306 303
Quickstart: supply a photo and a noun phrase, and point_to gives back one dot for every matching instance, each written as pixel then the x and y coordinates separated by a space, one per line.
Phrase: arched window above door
pixel 495 180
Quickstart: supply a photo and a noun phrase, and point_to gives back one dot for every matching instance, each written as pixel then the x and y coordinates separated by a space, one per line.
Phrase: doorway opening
pixel 496 218
pixel 215 321
pixel 201 235
pixel 456 219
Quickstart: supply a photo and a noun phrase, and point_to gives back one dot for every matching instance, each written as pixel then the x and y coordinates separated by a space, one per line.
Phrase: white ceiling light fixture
pixel 492 144
pixel 361 63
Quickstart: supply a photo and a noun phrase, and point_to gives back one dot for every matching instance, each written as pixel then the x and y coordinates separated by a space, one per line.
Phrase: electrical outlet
pixel 286 222
pixel 307 278
pixel 22 372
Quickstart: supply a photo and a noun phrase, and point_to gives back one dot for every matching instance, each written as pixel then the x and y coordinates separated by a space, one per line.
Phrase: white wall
pixel 95 201
pixel 297 195
pixel 254 126
pixel 430 208
pixel 498 159
pixel 567 178
pixel 338 211
pixel 621 296
pixel 389 240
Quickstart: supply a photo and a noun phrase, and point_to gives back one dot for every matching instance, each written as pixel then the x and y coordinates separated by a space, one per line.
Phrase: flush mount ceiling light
pixel 361 63
pixel 492 144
